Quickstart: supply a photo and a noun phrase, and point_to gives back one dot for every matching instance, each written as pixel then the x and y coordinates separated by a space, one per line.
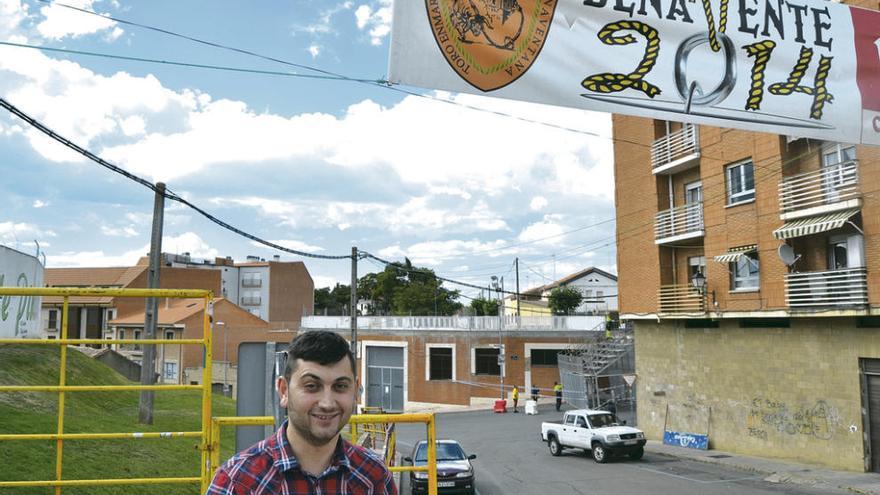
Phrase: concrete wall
pixel 790 393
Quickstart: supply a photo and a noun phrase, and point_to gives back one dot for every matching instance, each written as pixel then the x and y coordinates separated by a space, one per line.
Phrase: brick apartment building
pixel 263 301
pixel 455 359
pixel 778 353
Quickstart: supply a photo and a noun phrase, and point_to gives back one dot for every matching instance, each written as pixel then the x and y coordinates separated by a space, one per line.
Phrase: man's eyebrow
pixel 312 376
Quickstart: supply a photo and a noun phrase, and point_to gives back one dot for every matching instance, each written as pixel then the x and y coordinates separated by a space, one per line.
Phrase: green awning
pixel 813 225
pixel 733 254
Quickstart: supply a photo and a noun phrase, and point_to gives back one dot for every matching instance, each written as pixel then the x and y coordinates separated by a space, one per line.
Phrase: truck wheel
pixel 555 446
pixel 600 455
pixel 637 454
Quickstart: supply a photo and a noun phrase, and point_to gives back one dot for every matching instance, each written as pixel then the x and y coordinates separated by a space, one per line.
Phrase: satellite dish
pixel 786 254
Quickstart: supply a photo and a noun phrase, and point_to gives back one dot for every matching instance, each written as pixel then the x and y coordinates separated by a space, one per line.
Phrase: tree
pixel 485 307
pixel 333 302
pixel 564 300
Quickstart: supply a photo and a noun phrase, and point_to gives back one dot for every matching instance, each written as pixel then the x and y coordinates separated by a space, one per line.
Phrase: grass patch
pixel 96 412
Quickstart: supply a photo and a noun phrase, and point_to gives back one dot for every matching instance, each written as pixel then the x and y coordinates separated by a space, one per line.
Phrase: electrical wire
pixel 168 194
pixel 182 64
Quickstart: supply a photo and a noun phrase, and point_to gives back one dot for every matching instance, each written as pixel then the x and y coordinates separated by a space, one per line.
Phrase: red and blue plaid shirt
pixel 270 468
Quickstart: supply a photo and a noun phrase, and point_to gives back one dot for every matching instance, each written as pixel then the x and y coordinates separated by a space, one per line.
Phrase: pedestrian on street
pixel 557 389
pixel 535 392
pixel 514 394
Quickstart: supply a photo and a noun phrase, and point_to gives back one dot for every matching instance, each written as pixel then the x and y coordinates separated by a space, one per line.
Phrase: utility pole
pixel 517 290
pixel 353 303
pixel 148 363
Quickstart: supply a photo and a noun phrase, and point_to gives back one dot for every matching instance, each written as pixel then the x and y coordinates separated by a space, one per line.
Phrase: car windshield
pixel 602 420
pixel 445 452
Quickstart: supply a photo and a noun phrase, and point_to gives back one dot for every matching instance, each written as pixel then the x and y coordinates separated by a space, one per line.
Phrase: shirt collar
pixel 284 459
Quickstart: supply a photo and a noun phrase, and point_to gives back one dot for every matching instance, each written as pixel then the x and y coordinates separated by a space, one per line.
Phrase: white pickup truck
pixel 598 432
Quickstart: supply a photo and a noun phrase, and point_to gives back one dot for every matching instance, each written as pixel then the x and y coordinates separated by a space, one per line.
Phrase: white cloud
pixel 538 203
pixel 12 13
pixel 324 24
pixel 61 22
pixel 38 203
pixel 188 242
pixel 322 281
pixel 12 232
pixel 314 50
pixel 119 231
pixel 540 231
pixel 290 244
pixel 376 19
pixel 436 252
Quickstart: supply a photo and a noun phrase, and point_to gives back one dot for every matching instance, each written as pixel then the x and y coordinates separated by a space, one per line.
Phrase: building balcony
pixel 251 282
pixel 679 224
pixel 833 188
pixel 251 301
pixel 681 299
pixel 831 288
pixel 676 151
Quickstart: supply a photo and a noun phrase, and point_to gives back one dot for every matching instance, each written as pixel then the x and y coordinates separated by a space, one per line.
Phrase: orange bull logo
pixel 490 43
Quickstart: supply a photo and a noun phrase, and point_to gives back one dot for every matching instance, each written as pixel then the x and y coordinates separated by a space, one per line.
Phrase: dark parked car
pixel 455 474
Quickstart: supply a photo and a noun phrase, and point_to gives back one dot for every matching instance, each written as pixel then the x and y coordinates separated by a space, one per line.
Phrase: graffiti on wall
pixel 767 416
pixel 18 312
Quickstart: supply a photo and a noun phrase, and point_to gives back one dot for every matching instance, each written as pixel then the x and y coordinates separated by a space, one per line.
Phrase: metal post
pixel 517 292
pixel 502 350
pixel 353 303
pixel 148 363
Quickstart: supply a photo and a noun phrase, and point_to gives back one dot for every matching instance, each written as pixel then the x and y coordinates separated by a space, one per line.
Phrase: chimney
pixel 277 257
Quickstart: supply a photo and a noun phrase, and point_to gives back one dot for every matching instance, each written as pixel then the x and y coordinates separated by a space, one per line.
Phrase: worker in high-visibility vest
pixel 557 389
pixel 515 396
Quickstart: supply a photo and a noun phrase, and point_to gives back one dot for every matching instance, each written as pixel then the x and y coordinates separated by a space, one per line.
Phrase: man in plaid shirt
pixel 307 455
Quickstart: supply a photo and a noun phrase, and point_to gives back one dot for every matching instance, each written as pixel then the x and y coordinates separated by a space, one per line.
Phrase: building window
pixel 838 153
pixel 170 372
pixel 486 361
pixel 251 298
pixel 440 362
pixel 53 319
pixel 740 183
pixel 252 279
pixel 745 272
pixel 588 294
pixel 696 264
pixel 121 334
pixel 169 335
pixel 545 357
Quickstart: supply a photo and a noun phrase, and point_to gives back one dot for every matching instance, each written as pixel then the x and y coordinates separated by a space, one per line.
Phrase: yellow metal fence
pixel 209 435
pixel 62 388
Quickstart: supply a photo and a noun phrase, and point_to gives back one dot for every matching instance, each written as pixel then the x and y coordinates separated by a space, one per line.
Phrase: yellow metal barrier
pixel 360 419
pixel 62 387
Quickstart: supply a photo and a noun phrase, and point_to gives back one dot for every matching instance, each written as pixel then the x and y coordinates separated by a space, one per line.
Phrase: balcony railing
pixel 675 149
pixel 251 301
pixel 833 184
pixel 251 282
pixel 456 323
pixel 681 299
pixel 681 222
pixel 847 287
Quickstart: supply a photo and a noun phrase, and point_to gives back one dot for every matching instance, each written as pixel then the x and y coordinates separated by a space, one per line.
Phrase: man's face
pixel 319 400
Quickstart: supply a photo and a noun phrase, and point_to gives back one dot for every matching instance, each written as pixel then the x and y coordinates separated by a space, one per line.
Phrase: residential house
pixel 598 287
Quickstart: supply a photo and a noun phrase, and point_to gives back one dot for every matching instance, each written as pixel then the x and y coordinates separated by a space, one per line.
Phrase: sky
pixel 312 164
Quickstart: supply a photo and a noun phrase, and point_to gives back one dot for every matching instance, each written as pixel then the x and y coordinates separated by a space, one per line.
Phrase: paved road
pixel 512 459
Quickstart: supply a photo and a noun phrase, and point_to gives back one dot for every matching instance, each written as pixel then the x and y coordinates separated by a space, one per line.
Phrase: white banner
pixel 19 316
pixel 806 68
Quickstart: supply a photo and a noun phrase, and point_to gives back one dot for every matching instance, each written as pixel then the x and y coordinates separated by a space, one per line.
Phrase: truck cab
pixel 598 432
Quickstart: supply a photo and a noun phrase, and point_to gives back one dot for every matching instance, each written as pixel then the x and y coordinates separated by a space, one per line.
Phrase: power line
pixel 168 194
pixel 183 64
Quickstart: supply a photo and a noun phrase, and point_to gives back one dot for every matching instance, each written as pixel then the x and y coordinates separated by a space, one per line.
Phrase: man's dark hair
pixel 320 347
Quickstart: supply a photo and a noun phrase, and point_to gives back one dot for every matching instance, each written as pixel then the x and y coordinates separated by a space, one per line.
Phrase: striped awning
pixel 733 254
pixel 813 225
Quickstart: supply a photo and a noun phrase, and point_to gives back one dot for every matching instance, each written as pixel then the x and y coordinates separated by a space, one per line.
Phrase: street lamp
pixel 500 334
pixel 699 281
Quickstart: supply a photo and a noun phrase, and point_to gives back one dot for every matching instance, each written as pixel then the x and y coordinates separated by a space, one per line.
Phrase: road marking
pixel 696 480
